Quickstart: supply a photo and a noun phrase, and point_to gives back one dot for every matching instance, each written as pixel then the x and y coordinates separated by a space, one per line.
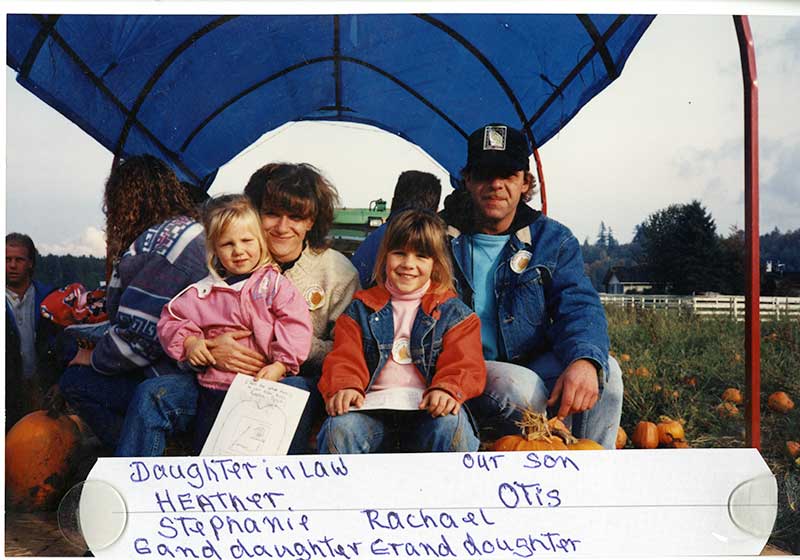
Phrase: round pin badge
pixel 520 260
pixel 315 296
pixel 401 352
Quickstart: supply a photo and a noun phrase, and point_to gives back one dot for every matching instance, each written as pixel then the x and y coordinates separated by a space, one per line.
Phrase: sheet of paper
pixel 689 502
pixel 256 418
pixel 393 399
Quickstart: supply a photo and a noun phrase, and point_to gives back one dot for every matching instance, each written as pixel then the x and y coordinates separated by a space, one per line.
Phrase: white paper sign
pixel 398 398
pixel 692 502
pixel 257 417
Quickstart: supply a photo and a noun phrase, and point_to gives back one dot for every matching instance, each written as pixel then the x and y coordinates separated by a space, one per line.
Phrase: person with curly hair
pixel 155 248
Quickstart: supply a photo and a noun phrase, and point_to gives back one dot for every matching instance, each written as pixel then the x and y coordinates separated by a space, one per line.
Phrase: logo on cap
pixel 494 137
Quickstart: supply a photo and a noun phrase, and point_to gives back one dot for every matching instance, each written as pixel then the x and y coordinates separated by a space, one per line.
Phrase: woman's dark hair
pixel 141 192
pixel 297 189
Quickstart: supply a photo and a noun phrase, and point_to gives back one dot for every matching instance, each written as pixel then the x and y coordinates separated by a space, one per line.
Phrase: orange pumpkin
pixel 622 438
pixel 584 444
pixel 679 444
pixel 40 451
pixel 780 402
pixel 645 436
pixel 732 395
pixel 536 436
pixel 793 449
pixel 727 410
pixel 669 431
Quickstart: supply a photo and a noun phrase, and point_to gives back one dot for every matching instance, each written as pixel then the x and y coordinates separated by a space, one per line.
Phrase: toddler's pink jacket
pixel 268 305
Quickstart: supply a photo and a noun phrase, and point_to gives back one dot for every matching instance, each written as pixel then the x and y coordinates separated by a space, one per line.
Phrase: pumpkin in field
pixel 793 449
pixel 780 402
pixel 558 428
pixel 727 410
pixel 40 453
pixel 645 436
pixel 622 438
pixel 669 431
pixel 732 395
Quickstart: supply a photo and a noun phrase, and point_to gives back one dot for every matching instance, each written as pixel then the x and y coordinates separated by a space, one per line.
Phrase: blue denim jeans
pixel 381 430
pixel 510 388
pixel 163 406
pixel 313 411
pixel 101 400
pixel 160 407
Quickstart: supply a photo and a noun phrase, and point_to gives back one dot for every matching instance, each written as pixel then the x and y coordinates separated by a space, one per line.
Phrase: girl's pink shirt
pixel 267 303
pixel 404 310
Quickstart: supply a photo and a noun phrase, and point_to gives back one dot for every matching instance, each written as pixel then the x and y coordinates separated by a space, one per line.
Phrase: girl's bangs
pixel 418 238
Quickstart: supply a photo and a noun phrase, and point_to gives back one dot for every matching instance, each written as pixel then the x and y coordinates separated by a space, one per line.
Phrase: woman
pixel 296 205
pixel 155 248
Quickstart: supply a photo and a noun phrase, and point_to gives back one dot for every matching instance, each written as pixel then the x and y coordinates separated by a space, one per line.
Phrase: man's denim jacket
pixel 550 304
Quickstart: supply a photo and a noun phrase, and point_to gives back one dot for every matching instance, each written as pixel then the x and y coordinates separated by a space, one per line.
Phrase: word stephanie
pixel 533 460
pixel 420 519
pixel 219 527
pixel 198 473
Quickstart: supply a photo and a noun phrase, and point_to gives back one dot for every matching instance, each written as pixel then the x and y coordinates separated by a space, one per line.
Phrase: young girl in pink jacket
pixel 244 290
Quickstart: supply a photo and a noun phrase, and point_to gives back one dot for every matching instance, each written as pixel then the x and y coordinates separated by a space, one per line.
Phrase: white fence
pixel 732 306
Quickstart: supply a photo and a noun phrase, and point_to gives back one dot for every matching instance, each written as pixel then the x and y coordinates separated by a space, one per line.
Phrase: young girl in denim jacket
pixel 244 290
pixel 410 332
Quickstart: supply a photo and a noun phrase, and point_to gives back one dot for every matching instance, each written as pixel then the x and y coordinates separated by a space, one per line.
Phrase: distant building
pixel 628 280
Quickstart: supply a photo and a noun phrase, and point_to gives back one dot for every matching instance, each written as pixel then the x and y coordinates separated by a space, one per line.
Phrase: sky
pixel 668 131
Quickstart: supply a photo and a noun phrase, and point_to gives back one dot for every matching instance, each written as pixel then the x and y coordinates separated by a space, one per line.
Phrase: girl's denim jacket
pixel 546 305
pixel 445 344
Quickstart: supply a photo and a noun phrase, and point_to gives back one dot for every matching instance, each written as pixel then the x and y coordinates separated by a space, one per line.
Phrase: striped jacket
pixel 161 262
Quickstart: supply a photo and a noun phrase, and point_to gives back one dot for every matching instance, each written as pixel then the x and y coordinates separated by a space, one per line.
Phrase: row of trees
pixel 679 249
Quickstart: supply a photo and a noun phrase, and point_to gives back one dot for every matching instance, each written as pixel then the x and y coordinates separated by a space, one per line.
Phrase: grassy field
pixel 678 365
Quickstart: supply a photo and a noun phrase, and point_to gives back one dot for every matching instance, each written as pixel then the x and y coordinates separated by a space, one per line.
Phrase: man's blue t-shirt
pixel 486 250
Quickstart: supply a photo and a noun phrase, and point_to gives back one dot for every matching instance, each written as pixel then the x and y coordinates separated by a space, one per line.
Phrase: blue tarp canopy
pixel 196 90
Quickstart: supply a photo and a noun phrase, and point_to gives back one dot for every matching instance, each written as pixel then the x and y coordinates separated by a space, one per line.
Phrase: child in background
pixel 409 331
pixel 244 290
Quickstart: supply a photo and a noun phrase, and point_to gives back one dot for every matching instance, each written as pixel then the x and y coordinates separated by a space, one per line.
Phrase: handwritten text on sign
pixel 478 505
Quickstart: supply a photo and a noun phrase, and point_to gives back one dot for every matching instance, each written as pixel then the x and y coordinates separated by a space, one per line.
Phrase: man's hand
pixel 82 358
pixel 576 388
pixel 234 357
pixel 439 403
pixel 342 400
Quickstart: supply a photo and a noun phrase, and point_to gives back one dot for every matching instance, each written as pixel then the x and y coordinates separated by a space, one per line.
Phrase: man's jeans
pixel 511 388
pixel 162 406
pixel 380 430
pixel 101 400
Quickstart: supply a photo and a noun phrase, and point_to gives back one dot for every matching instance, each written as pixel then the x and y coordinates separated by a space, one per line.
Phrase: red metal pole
pixel 540 175
pixel 752 335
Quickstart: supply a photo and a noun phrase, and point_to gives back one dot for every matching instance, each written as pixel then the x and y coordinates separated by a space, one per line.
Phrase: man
pixel 414 189
pixel 543 328
pixel 33 352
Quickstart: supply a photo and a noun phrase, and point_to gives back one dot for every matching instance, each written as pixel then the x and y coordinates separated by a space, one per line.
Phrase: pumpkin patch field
pixel 690 370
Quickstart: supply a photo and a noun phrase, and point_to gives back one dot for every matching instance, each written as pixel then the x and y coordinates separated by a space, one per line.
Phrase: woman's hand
pixel 439 403
pixel 234 357
pixel 342 400
pixel 82 358
pixel 273 372
pixel 197 353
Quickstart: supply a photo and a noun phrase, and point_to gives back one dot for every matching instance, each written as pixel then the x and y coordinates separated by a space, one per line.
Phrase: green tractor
pixel 352 225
